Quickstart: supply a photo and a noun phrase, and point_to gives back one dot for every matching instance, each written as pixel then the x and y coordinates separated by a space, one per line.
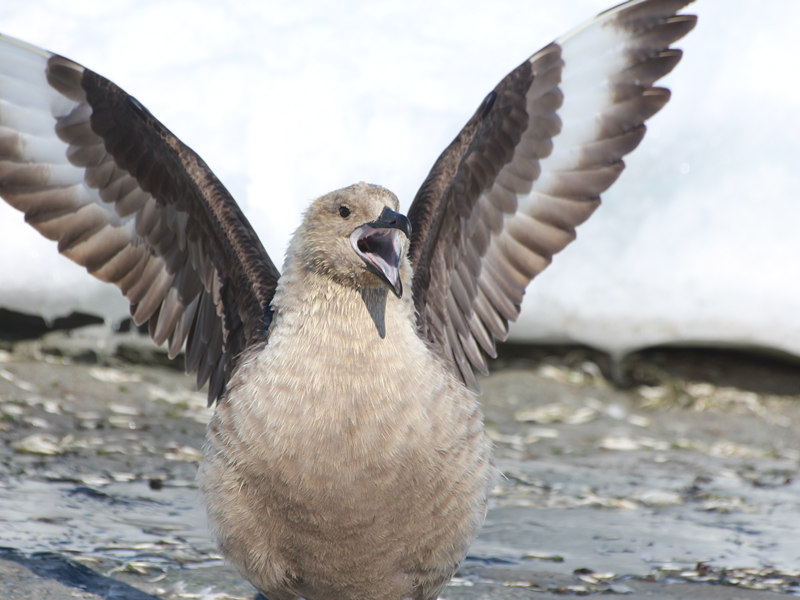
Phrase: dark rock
pixel 16 325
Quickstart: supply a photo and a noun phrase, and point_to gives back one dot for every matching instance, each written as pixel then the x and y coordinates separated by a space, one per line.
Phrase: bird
pixel 346 457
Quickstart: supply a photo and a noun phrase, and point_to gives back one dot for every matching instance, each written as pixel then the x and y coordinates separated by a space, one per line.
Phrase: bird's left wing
pixel 527 168
pixel 92 169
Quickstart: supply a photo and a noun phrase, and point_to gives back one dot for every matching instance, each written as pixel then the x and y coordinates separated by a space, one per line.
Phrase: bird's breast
pixel 339 443
pixel 344 388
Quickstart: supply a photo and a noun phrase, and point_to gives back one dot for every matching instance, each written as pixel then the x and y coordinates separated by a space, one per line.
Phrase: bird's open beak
pixel 380 246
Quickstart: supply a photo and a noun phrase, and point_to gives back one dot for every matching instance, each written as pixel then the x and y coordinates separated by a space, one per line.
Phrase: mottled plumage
pixel 346 457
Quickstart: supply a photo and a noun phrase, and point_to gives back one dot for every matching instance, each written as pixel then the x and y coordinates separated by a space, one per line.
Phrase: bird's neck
pixel 312 301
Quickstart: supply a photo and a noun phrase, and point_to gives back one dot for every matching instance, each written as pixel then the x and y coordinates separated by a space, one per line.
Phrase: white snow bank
pixel 696 242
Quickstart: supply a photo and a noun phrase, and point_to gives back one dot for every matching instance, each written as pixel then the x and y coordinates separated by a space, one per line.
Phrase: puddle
pixel 120 521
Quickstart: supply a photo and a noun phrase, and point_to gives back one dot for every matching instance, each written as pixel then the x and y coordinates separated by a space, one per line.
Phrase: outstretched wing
pixel 527 168
pixel 92 169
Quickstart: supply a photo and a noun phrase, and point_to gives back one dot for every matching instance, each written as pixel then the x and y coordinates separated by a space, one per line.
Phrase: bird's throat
pixel 375 302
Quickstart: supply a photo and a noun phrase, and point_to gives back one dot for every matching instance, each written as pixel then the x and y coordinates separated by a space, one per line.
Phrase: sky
pixel 696 243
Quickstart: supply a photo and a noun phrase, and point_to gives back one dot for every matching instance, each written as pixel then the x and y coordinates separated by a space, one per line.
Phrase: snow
pixel 696 243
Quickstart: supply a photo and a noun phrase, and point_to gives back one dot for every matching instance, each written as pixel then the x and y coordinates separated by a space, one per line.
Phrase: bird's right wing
pixel 528 167
pixel 92 169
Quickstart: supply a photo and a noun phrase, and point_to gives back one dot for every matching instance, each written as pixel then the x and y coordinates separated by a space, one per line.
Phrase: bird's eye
pixel 344 212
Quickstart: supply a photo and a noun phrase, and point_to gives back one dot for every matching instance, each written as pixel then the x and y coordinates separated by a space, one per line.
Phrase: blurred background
pixel 696 243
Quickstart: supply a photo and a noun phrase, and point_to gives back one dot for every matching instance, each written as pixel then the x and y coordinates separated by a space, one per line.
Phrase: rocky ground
pixel 679 480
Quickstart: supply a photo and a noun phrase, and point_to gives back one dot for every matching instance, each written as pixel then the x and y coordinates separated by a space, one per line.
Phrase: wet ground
pixel 678 481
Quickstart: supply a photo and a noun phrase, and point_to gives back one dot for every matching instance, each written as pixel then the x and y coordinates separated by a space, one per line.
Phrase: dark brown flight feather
pixel 527 168
pixel 143 212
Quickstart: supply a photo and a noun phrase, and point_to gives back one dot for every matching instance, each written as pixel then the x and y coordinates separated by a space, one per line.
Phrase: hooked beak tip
pixel 392 219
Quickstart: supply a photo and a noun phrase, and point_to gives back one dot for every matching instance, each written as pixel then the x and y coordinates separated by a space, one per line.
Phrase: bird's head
pixel 356 236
